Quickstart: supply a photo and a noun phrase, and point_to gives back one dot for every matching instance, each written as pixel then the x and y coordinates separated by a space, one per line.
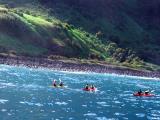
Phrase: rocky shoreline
pixel 75 66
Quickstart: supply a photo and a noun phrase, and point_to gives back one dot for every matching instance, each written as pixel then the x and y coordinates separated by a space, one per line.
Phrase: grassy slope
pixel 13 30
pixel 37 31
pixel 35 34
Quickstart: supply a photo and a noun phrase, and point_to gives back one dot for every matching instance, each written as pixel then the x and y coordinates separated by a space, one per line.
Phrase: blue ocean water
pixel 25 95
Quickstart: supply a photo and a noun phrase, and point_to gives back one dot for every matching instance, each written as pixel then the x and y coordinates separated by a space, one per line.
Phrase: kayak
pixel 57 86
pixel 90 89
pixel 143 95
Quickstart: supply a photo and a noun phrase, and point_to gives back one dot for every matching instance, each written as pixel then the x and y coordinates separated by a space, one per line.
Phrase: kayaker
pixel 140 92
pixel 93 87
pixel 87 87
pixel 146 92
pixel 60 83
pixel 54 83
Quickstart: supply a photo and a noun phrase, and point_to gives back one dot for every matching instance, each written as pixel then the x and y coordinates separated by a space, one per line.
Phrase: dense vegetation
pixel 118 32
pixel 131 24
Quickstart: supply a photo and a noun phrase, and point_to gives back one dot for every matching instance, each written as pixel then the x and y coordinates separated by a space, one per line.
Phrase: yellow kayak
pixel 57 86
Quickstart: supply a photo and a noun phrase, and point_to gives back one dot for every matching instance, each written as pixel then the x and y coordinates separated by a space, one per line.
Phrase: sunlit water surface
pixel 25 95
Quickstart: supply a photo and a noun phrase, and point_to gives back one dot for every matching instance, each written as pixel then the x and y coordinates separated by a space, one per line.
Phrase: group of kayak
pixel 93 88
pixel 145 93
pixel 61 85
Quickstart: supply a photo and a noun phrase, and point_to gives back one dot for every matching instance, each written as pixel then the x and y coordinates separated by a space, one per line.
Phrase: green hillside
pixel 130 24
pixel 21 32
pixel 29 28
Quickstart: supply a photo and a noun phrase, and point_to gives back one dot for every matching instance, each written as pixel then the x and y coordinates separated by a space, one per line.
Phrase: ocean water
pixel 25 95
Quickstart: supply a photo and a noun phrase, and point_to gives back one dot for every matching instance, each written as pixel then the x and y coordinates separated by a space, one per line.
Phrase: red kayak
pixel 89 89
pixel 143 95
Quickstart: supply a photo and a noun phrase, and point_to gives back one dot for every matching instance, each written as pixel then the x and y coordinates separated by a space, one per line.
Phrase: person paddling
pixel 87 87
pixel 54 83
pixel 146 92
pixel 61 83
pixel 93 87
pixel 140 92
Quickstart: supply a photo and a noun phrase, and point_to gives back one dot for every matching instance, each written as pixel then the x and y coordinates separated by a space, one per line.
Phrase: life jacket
pixel 54 84
pixel 61 84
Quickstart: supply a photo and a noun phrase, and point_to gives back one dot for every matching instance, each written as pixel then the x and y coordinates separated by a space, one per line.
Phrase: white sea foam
pixel 101 118
pixel 9 114
pixel 104 104
pixel 3 101
pixel 27 103
pixel 153 118
pixel 101 103
pixel 117 102
pixel 84 105
pixel 39 104
pixel 61 103
pixel 32 86
pixel 51 104
pixel 90 114
pixel 140 115
pixel 6 67
pixel 3 69
pixel 155 113
pixel 8 84
pixel 109 74
pixel 119 114
pixel 31 104
pixel 3 110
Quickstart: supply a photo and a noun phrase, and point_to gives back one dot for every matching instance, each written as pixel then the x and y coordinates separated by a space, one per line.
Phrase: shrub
pixel 99 34
pixel 120 55
pixel 67 26
pixel 87 35
pixel 19 12
pixel 49 19
pixel 111 48
pixel 3 10
pixel 27 12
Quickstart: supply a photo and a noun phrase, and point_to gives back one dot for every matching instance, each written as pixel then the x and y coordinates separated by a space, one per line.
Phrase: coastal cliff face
pixel 131 24
pixel 124 32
